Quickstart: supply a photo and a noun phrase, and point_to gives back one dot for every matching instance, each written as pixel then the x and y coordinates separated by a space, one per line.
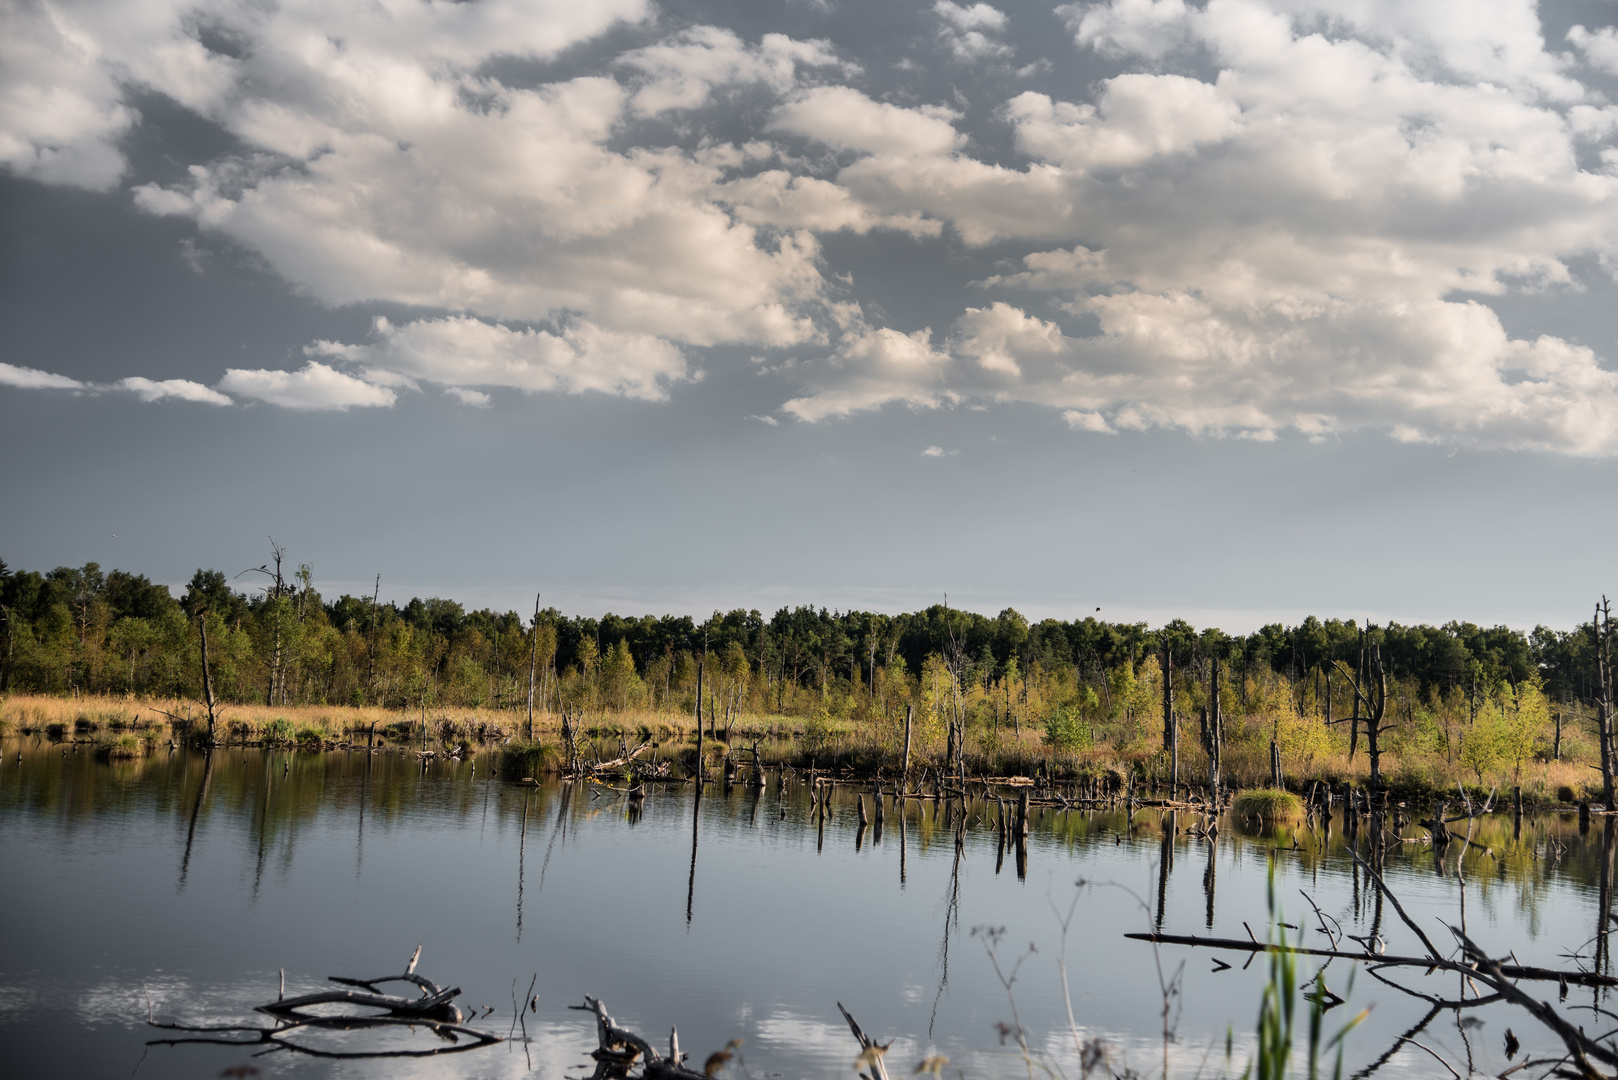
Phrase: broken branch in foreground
pixel 434 1009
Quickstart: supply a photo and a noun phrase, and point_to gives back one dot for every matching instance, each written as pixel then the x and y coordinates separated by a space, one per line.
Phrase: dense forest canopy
pixel 275 639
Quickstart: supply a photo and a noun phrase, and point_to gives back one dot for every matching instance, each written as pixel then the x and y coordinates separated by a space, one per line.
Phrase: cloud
pixel 1600 47
pixel 459 352
pixel 475 398
pixel 184 389
pixel 1302 242
pixel 938 452
pixel 872 368
pixel 1273 215
pixel 683 71
pixel 972 33
pixel 842 117
pixel 25 378
pixel 1087 421
pixel 61 109
pixel 315 387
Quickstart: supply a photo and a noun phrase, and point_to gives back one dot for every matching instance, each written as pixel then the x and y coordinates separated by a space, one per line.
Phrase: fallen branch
pixel 1512 971
pixel 434 1010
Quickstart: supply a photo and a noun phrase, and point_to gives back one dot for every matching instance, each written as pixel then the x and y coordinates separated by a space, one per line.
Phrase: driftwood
pixel 624 759
pixel 620 1050
pixel 434 1009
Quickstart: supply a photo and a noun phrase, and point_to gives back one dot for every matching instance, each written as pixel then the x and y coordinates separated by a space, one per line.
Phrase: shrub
pixel 1269 805
pixel 520 759
pixel 311 738
pixel 1066 729
pixel 57 730
pixel 817 731
pixel 278 732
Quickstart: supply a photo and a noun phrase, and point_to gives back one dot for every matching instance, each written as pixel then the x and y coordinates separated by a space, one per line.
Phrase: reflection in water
pixel 691 882
pixel 1165 866
pixel 421 839
pixel 952 917
pixel 263 824
pixel 359 844
pixel 522 849
pixel 196 809
pixel 1208 874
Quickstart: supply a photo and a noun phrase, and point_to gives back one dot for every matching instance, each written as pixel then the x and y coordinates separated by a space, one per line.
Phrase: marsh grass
pixel 520 760
pixel 826 740
pixel 122 748
pixel 1269 805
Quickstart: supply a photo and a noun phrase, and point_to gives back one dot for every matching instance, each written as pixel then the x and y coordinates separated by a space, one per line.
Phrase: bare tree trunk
pixel 1377 708
pixel 533 663
pixel 701 659
pixel 910 712
pixel 1171 734
pixel 1602 625
pixel 1354 721
pixel 1215 735
pixel 207 677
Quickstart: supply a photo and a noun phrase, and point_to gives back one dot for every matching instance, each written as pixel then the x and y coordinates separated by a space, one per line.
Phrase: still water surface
pixel 735 917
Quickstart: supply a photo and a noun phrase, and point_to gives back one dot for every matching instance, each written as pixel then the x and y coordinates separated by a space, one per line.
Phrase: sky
pixel 1232 311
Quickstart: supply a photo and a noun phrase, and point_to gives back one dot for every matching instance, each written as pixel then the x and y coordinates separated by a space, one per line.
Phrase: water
pixel 136 886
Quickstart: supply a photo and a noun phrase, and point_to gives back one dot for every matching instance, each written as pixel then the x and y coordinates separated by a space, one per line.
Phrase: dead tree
pixel 533 664
pixel 1213 737
pixel 1374 696
pixel 910 714
pixel 1171 735
pixel 1601 630
pixel 207 678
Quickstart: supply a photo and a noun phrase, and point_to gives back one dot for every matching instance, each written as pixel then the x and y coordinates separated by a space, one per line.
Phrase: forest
pixel 1488 704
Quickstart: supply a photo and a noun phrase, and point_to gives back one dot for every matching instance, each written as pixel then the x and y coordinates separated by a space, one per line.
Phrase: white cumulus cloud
pixel 972 33
pixel 459 352
pixel 183 389
pixel 314 387
pixel 26 378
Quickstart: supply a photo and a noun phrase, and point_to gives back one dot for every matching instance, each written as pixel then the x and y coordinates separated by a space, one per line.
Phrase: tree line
pixel 275 639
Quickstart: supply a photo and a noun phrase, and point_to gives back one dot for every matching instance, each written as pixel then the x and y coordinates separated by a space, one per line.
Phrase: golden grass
pixel 831 742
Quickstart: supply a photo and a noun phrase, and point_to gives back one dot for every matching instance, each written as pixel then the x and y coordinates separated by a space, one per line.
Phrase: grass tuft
pixel 123 748
pixel 520 760
pixel 1269 805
